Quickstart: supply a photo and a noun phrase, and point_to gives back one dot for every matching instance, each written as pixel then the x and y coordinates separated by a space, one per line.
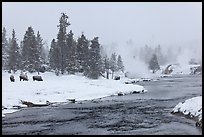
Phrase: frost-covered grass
pixel 191 107
pixel 59 89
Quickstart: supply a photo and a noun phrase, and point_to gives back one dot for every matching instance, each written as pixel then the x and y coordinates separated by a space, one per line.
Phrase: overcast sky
pixel 113 22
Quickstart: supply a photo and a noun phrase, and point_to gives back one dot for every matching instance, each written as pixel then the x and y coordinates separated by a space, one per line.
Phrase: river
pixel 133 114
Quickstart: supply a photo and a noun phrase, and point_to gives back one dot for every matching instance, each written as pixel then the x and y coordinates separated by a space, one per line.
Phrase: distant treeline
pixel 66 55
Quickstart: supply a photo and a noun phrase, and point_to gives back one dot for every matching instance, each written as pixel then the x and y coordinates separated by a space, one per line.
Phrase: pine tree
pixel 30 53
pixel 153 63
pixel 160 56
pixel 14 55
pixel 46 53
pixel 113 64
pixel 41 50
pixel 146 53
pixel 4 49
pixel 94 61
pixel 120 66
pixel 61 40
pixel 71 56
pixel 107 66
pixel 82 53
pixel 54 56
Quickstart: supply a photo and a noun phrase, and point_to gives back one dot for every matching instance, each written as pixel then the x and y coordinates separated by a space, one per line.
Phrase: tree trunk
pixel 107 75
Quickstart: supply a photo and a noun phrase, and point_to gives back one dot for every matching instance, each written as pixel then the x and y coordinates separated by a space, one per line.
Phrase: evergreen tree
pixel 46 52
pixel 94 62
pixel 41 50
pixel 103 55
pixel 153 63
pixel 160 56
pixel 71 56
pixel 170 55
pixel 30 53
pixel 61 40
pixel 146 53
pixel 82 53
pixel 4 49
pixel 113 64
pixel 107 66
pixel 14 55
pixel 20 52
pixel 54 56
pixel 120 65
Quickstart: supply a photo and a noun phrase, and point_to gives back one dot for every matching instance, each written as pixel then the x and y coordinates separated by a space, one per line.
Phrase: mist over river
pixel 140 114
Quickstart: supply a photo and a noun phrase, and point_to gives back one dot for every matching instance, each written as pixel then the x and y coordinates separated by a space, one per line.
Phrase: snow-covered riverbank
pixel 191 107
pixel 59 89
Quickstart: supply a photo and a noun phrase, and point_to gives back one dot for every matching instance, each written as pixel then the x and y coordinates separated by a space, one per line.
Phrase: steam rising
pixel 138 68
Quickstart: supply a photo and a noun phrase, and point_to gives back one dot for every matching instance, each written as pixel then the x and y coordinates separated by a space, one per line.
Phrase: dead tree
pixel 30 104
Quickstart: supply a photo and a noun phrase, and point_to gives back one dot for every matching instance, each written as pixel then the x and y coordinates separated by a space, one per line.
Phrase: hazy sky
pixel 113 22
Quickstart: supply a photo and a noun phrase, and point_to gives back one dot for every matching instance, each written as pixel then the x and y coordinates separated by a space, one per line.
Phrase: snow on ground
pixel 191 107
pixel 59 89
pixel 180 69
pixel 177 70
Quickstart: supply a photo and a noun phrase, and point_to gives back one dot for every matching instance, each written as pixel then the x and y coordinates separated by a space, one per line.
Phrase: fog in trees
pixel 5 49
pixel 13 54
pixel 80 54
pixel 61 41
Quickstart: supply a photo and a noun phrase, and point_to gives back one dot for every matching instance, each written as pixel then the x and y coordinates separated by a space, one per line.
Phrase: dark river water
pixel 133 114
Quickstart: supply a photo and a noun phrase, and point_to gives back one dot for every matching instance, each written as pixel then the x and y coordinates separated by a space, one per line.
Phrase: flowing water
pixel 134 114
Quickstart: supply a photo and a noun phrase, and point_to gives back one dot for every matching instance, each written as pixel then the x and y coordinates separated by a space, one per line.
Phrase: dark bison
pixel 24 77
pixel 38 78
pixel 12 78
pixel 117 78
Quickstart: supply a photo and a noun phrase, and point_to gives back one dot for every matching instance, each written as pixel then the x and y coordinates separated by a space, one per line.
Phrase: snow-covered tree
pixel 170 55
pixel 146 53
pixel 71 53
pixel 41 49
pixel 153 63
pixel 14 55
pixel 54 56
pixel 4 49
pixel 94 60
pixel 161 58
pixel 61 40
pixel 82 53
pixel 30 54
pixel 120 66
pixel 106 66
pixel 113 63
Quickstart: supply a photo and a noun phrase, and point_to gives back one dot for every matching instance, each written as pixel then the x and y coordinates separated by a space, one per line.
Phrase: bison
pixel 38 78
pixel 12 78
pixel 117 78
pixel 24 77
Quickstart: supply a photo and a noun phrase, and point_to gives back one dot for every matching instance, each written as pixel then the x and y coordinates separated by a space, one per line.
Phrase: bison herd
pixel 24 77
